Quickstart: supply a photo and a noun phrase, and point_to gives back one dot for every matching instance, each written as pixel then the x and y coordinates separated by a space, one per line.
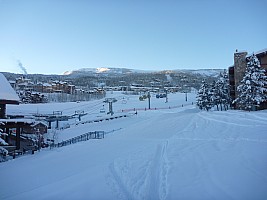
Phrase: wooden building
pixel 9 96
pixel 37 127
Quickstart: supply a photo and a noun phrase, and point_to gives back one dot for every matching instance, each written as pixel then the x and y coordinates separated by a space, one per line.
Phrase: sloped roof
pixel 259 53
pixel 7 93
pixel 39 122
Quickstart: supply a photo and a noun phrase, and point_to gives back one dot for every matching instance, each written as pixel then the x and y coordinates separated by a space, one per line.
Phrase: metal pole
pixel 166 96
pixel 18 138
pixel 110 108
pixel 148 100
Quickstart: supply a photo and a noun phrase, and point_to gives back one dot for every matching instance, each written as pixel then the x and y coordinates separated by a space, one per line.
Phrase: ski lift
pixel 102 110
pixel 124 101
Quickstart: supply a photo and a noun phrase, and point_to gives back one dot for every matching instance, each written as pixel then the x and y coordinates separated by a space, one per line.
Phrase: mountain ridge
pixel 122 71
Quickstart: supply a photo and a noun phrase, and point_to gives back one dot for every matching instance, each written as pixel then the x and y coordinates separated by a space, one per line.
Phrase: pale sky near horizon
pixel 54 36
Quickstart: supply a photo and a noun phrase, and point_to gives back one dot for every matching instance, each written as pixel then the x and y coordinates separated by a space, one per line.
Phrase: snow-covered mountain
pixel 104 70
pixel 123 71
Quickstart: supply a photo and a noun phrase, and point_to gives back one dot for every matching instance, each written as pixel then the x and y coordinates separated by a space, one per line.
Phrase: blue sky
pixel 54 36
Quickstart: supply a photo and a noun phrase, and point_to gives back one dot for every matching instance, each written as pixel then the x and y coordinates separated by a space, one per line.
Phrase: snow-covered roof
pixel 7 93
pixel 241 51
pixel 47 84
pixel 28 121
pixel 39 122
pixel 263 51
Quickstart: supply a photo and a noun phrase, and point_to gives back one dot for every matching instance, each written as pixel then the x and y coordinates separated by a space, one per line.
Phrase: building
pixel 237 71
pixel 62 87
pixel 7 96
pixel 23 83
pixel 36 128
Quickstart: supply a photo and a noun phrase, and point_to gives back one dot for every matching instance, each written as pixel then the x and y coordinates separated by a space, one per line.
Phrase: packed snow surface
pixel 179 153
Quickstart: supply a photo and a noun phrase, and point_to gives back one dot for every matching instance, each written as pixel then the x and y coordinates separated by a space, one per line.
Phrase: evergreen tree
pixel 221 92
pixel 252 90
pixel 215 92
pixel 204 97
pixel 226 98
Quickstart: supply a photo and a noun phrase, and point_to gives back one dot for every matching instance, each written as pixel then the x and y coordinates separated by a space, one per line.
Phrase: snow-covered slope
pixel 180 153
pixel 204 72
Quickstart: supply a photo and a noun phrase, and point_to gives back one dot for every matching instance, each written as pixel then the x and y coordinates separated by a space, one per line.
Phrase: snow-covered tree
pixel 204 97
pixel 3 151
pixel 221 92
pixel 216 97
pixel 252 90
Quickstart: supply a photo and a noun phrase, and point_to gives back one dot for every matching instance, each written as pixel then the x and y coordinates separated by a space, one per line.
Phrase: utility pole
pixel 110 108
pixel 185 91
pixel 148 100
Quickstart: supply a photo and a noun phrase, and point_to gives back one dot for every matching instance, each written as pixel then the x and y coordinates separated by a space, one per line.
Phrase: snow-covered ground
pixel 179 153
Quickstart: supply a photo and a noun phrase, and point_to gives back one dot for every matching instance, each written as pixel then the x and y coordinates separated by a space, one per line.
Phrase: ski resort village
pixel 121 134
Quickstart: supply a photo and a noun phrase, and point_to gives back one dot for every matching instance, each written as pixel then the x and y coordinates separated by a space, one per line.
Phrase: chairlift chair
pixel 102 110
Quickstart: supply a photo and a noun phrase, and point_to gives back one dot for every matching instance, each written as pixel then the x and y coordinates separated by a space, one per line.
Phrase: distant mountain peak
pixel 102 69
pixel 67 73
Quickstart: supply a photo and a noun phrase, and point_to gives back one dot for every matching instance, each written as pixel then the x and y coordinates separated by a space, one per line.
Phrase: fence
pixel 102 119
pixel 155 108
pixel 80 138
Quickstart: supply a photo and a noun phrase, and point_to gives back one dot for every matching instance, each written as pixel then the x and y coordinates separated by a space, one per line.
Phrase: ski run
pixel 175 151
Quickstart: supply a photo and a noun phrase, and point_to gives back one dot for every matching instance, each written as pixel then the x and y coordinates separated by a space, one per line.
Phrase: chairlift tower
pixel 79 113
pixel 110 101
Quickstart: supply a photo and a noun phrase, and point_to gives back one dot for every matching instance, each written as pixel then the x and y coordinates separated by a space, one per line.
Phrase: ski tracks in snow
pixel 141 177
pixel 158 174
